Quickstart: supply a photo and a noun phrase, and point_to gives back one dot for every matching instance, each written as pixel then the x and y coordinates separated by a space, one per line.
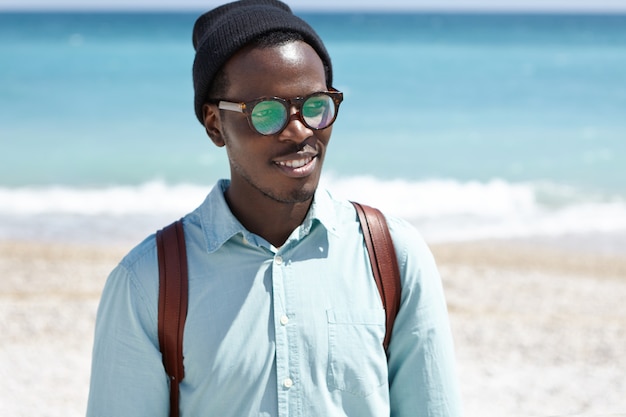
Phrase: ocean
pixel 470 126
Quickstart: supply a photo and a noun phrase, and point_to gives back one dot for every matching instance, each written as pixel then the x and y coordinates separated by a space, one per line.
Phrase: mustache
pixel 306 145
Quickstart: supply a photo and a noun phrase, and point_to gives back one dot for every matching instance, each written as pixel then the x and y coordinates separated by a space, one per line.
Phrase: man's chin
pixel 295 196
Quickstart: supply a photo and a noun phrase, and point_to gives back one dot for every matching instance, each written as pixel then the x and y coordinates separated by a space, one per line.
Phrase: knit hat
pixel 221 32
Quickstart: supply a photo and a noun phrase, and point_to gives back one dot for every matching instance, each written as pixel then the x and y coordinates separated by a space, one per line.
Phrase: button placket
pixel 283 359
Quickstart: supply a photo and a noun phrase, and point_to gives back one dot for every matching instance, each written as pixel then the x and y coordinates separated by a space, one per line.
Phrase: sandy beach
pixel 540 329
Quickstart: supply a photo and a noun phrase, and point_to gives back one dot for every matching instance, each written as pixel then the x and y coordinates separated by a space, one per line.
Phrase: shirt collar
pixel 323 210
pixel 220 225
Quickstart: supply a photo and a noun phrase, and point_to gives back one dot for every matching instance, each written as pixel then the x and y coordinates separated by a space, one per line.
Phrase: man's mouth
pixel 295 163
pixel 301 163
pixel 299 167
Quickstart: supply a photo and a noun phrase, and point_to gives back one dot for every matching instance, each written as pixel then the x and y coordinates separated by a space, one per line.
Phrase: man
pixel 284 316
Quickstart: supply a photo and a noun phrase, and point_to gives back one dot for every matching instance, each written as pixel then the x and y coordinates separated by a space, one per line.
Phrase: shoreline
pixel 556 255
pixel 539 328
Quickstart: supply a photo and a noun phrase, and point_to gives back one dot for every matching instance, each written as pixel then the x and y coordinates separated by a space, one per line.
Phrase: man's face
pixel 284 167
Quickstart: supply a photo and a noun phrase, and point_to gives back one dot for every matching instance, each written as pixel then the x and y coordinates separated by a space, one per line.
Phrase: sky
pixel 435 5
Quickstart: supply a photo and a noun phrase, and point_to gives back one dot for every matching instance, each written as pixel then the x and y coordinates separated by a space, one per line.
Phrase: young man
pixel 284 315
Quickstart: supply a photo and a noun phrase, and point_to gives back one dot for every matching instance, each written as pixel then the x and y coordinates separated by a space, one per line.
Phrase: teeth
pixel 298 163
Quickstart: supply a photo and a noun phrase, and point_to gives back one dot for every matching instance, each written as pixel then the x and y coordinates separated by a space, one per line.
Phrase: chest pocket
pixel 357 362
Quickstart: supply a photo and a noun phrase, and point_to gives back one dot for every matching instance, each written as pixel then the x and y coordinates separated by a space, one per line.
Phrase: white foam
pixel 443 210
pixel 453 210
pixel 150 198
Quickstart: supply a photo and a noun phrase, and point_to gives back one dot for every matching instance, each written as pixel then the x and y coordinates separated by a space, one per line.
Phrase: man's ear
pixel 213 124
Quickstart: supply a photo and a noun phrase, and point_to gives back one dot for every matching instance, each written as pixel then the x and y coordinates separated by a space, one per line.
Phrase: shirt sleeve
pixel 127 376
pixel 422 372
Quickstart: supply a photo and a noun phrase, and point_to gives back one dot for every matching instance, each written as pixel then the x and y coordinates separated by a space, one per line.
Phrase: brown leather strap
pixel 384 262
pixel 173 298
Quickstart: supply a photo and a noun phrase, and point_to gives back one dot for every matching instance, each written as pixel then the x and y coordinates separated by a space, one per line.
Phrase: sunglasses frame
pixel 247 107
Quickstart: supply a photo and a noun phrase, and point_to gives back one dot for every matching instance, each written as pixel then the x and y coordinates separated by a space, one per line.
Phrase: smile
pixel 296 163
pixel 298 168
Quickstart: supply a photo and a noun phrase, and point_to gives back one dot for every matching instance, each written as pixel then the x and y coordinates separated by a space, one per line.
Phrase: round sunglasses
pixel 270 115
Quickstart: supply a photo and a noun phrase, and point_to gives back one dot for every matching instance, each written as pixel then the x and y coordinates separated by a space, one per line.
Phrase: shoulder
pixel 406 237
pixel 136 275
pixel 141 256
pixel 418 268
pixel 140 265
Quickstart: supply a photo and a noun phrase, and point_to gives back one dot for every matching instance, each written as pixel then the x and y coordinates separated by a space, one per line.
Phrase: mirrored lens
pixel 318 111
pixel 268 117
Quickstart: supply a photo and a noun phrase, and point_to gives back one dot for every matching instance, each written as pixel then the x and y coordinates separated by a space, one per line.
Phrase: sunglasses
pixel 270 115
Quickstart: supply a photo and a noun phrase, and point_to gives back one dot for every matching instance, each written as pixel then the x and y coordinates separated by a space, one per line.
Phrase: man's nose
pixel 296 130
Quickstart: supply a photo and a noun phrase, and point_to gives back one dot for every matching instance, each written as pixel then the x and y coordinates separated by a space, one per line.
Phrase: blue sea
pixel 470 126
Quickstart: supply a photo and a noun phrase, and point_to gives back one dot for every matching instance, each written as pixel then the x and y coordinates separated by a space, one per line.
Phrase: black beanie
pixel 221 32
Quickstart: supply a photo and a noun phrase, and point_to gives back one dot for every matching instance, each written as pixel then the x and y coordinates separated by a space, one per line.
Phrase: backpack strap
pixel 174 292
pixel 384 262
pixel 173 299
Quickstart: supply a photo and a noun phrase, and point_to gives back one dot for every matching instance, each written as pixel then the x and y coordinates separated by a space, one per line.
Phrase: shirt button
pixel 284 320
pixel 279 260
pixel 288 383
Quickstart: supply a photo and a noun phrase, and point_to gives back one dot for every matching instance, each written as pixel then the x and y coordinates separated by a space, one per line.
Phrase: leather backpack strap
pixel 384 262
pixel 173 298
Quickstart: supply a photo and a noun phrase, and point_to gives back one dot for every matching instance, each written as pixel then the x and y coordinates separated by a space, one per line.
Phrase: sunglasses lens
pixel 269 117
pixel 319 111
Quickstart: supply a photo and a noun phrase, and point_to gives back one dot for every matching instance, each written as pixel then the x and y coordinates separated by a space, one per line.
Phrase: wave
pixel 443 210
pixel 448 210
pixel 151 197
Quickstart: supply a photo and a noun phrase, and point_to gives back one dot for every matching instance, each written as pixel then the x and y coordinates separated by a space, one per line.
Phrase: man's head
pixel 262 78
pixel 223 31
pixel 283 165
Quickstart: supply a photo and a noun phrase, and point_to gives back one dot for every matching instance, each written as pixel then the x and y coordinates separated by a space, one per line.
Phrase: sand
pixel 539 330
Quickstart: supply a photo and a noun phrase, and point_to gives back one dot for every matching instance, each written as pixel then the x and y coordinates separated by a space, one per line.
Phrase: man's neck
pixel 272 220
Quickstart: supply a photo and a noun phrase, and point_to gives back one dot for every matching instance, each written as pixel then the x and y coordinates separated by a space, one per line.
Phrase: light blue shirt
pixel 291 331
